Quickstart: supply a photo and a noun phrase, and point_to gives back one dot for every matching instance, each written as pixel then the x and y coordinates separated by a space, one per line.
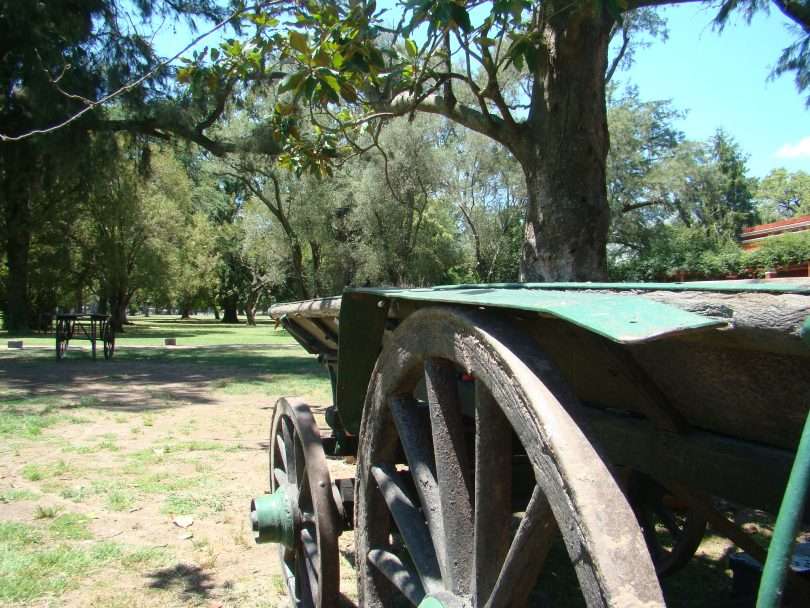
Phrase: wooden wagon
pixel 490 420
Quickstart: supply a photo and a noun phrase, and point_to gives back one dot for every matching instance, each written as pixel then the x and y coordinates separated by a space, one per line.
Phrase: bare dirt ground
pixel 128 448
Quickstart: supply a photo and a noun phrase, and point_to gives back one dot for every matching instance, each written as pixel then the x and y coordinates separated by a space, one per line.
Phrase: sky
pixel 721 80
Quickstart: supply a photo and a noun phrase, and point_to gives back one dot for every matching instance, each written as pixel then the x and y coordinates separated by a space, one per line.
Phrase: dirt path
pixel 127 449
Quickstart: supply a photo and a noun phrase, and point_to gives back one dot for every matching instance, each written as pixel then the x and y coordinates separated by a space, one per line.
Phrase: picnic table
pixel 90 327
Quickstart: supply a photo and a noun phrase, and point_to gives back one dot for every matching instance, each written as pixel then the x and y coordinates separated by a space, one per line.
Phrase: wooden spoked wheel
pixel 108 336
pixel 671 529
pixel 62 337
pixel 298 464
pixel 455 402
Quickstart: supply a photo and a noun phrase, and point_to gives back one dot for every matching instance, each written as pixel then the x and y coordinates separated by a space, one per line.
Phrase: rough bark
pixel 564 151
pixel 250 313
pixel 119 301
pixel 17 206
pixel 229 306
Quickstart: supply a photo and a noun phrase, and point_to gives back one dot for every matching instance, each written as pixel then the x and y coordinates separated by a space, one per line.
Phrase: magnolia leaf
pixel 292 82
pixel 410 47
pixel 330 81
pixel 461 17
pixel 348 92
pixel 298 41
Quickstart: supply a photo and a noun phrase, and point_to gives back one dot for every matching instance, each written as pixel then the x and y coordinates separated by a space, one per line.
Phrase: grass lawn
pixel 151 330
pixel 98 459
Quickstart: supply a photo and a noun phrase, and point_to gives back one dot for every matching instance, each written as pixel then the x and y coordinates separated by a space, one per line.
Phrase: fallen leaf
pixel 185 535
pixel 183 521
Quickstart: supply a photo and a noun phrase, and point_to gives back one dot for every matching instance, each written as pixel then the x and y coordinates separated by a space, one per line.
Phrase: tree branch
pixel 491 126
pixel 797 11
pixel 619 56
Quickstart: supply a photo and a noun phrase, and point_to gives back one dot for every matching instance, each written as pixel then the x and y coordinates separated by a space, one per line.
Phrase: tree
pixel 529 75
pixel 138 224
pixel 782 194
pixel 403 219
pixel 489 191
pixel 261 255
pixel 56 57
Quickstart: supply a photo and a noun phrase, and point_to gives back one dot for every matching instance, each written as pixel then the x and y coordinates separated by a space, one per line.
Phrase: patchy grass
pixel 33 572
pixel 38 472
pixel 70 526
pixel 46 512
pixel 15 495
pixel 120 500
pixel 26 418
pixel 16 534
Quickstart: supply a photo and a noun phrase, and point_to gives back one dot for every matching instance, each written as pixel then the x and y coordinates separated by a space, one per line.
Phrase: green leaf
pixel 348 92
pixel 330 81
pixel 298 41
pixel 214 54
pixel 292 82
pixel 461 17
pixel 410 47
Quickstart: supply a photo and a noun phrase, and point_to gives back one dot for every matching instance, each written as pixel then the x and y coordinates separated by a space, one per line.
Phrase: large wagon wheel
pixel 62 337
pixel 108 336
pixel 307 530
pixel 672 531
pixel 437 526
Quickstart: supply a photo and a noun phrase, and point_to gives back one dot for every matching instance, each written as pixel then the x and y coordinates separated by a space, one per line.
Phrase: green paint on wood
pixel 626 319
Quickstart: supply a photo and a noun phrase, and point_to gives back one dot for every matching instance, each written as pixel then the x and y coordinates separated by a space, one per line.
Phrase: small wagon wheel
pixel 108 336
pixel 439 524
pixel 307 527
pixel 672 530
pixel 62 337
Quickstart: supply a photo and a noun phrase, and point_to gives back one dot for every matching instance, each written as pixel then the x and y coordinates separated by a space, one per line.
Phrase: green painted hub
pixel 430 602
pixel 271 517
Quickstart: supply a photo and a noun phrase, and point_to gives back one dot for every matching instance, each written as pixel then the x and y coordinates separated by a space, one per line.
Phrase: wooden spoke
pixel 305 597
pixel 452 473
pixel 527 554
pixel 289 449
pixel 310 551
pixel 413 426
pixel 493 491
pixel 282 452
pixel 280 476
pixel 411 526
pixel 403 576
pixel 300 462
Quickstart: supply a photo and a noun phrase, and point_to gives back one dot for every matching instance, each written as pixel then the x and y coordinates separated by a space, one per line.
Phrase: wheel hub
pixel 272 517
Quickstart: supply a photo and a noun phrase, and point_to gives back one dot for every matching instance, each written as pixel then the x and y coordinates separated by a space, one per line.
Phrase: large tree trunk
pixel 18 306
pixel 564 151
pixel 315 248
pixel 229 306
pixel 297 258
pixel 18 244
pixel 119 301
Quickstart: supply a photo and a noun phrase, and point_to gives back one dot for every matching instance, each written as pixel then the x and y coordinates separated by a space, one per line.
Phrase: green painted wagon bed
pixel 488 421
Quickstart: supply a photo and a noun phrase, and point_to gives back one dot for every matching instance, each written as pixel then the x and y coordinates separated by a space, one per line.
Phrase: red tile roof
pixel 780 224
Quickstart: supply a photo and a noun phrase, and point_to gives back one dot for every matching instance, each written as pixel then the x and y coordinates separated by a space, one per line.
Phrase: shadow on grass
pixel 191 581
pixel 149 380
